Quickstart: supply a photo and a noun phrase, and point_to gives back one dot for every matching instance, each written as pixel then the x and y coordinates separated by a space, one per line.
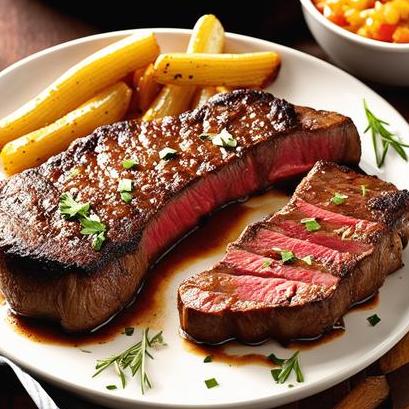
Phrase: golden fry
pixel 207 37
pixel 232 70
pixel 147 88
pixel 36 147
pixel 79 84
pixel 202 95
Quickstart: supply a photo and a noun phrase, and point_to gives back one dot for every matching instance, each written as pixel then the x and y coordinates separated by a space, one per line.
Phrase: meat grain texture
pixel 252 294
pixel 48 269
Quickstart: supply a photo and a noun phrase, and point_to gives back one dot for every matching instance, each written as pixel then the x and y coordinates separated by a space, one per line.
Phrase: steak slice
pixel 252 295
pixel 48 268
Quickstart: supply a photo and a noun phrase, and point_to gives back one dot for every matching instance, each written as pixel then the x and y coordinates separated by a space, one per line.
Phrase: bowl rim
pixel 315 13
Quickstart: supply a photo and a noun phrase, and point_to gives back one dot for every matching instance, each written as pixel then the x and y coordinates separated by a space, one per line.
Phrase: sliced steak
pixel 252 295
pixel 49 269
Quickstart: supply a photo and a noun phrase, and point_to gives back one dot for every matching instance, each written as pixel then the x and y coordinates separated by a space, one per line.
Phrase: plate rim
pixel 296 394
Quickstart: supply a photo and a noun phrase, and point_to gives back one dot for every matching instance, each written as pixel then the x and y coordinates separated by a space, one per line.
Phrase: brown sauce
pixel 150 305
pixel 218 354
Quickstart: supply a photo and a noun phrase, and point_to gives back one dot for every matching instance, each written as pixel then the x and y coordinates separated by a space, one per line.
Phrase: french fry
pixel 36 147
pixel 80 83
pixel 147 88
pixel 368 394
pixel 202 95
pixel 231 70
pixel 396 357
pixel 207 37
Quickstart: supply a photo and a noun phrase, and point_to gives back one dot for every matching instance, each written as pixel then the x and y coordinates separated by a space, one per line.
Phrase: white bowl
pixel 373 60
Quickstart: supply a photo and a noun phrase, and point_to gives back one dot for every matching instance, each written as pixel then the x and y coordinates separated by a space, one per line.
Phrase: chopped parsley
pixel 211 383
pixel 125 188
pixel 292 364
pixel 91 224
pixel 275 359
pixel 224 139
pixel 363 190
pixel 287 256
pixel 129 163
pixel 311 224
pixel 374 319
pixel 167 153
pixel 70 208
pixel 339 198
pixel 205 136
pixel 111 387
pixel 208 358
pixel 266 263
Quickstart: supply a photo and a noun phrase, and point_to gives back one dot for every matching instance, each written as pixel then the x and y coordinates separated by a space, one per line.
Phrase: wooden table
pixel 27 26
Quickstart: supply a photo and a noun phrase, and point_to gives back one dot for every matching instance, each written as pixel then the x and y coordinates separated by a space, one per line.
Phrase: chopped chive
pixel 125 185
pixel 167 153
pixel 211 383
pixel 111 387
pixel 126 197
pixel 363 190
pixel 85 351
pixel 208 358
pixel 266 263
pixel 224 139
pixel 275 374
pixel 339 198
pixel 308 260
pixel 128 331
pixel 129 163
pixel 311 224
pixel 287 256
pixel 290 385
pixel 374 319
pixel 275 359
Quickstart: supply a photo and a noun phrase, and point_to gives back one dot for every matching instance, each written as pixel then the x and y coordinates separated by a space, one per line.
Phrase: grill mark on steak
pixel 48 269
pixel 299 301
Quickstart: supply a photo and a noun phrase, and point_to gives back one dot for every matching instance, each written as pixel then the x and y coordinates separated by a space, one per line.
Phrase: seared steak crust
pixel 48 268
pixel 252 295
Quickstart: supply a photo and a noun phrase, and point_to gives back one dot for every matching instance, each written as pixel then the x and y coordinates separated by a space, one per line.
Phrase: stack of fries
pixel 96 92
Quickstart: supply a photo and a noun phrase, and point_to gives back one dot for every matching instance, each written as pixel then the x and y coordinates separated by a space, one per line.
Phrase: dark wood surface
pixel 27 26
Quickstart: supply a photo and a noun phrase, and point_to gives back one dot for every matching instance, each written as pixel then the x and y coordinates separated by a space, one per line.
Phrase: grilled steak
pixel 49 269
pixel 252 294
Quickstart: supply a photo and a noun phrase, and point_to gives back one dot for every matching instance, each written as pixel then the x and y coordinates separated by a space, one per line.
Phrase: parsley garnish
pixel 339 198
pixel 211 383
pixel 374 319
pixel 287 366
pixel 208 358
pixel 111 387
pixel 311 224
pixel 91 224
pixel 70 208
pixel 129 163
pixel 381 136
pixel 133 358
pixel 266 263
pixel 205 137
pixel 287 256
pixel 224 139
pixel 167 153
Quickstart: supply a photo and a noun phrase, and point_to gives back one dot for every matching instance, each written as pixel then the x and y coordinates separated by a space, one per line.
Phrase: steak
pixel 49 269
pixel 253 294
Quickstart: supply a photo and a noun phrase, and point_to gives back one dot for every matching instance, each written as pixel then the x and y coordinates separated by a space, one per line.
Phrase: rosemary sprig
pixel 133 358
pixel 383 138
pixel 281 374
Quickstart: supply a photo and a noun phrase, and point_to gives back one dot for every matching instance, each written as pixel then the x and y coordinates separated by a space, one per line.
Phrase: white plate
pixel 178 374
